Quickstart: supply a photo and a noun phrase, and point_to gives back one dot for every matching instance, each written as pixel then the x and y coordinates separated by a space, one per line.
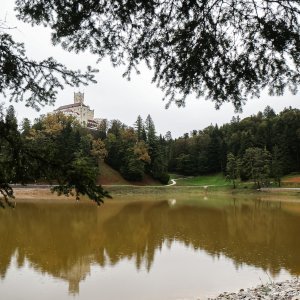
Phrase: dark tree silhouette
pixel 34 82
pixel 224 50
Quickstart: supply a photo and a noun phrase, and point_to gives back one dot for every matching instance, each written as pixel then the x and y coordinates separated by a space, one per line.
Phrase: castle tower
pixel 79 97
pixel 82 112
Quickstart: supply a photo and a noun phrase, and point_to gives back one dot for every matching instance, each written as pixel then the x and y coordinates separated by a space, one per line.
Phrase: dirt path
pixel 173 182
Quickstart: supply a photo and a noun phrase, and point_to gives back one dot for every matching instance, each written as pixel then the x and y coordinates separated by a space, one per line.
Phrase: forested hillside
pixel 56 149
pixel 265 145
pixel 135 151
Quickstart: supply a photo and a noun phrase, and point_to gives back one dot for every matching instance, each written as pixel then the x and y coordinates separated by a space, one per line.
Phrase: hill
pixel 109 176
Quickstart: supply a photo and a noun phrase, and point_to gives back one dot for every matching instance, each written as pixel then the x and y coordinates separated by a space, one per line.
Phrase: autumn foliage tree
pixel 55 149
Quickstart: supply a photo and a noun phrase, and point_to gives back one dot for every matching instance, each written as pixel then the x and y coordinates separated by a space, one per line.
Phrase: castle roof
pixel 92 121
pixel 70 106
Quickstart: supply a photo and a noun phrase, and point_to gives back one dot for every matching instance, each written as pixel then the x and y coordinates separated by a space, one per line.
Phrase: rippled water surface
pixel 185 248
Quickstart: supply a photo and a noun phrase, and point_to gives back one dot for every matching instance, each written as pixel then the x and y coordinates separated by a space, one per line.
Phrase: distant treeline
pixel 266 144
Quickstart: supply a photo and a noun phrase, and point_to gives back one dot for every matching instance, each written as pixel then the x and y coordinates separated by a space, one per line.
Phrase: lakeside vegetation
pixel 258 151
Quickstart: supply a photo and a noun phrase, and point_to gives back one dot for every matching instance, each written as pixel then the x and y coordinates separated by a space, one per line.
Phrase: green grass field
pixel 214 179
pixel 219 180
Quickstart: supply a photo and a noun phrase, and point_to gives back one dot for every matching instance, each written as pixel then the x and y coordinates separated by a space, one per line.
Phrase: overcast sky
pixel 113 97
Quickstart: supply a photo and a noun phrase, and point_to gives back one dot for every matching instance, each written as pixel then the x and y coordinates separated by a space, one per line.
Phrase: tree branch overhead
pixel 226 51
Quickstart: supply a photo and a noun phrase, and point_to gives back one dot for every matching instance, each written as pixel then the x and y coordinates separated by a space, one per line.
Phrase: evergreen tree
pixel 214 150
pixel 139 127
pixel 257 163
pixel 277 165
pixel 26 126
pixel 151 132
pixel 168 136
pixel 11 162
pixel 269 112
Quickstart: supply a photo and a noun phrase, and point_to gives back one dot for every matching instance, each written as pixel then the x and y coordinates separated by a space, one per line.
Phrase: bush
pixel 164 178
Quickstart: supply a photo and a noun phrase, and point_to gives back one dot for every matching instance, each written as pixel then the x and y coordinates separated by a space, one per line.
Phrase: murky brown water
pixel 185 248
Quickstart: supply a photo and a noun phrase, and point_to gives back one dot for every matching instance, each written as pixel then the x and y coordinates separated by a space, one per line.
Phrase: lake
pixel 173 247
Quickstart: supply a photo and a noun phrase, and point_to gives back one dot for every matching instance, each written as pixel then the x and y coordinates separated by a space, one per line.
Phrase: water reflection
pixel 65 240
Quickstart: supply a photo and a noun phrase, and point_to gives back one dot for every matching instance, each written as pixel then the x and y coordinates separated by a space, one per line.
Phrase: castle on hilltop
pixel 82 112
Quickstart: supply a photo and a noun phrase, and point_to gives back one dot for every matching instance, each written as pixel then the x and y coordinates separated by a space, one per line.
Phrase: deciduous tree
pixel 55 149
pixel 233 168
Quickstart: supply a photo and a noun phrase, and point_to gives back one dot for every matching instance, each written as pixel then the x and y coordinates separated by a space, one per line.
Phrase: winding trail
pixel 173 182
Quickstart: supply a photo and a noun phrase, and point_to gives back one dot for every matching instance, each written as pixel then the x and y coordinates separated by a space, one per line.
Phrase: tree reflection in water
pixel 64 240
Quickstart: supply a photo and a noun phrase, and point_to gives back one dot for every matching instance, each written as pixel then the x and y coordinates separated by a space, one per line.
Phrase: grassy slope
pixel 109 176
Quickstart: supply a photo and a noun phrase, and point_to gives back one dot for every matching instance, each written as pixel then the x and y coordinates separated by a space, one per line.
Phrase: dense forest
pixel 135 151
pixel 259 147
pixel 56 148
